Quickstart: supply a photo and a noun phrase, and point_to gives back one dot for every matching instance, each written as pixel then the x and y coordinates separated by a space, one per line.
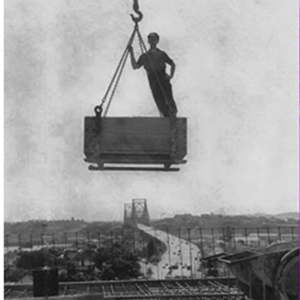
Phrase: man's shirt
pixel 154 61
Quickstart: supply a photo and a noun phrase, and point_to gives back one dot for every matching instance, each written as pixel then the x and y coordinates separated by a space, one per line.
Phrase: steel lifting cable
pixel 116 77
pixel 116 83
pixel 141 42
pixel 120 67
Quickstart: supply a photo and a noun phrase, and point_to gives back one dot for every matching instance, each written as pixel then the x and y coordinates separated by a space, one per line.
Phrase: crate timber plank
pixel 135 140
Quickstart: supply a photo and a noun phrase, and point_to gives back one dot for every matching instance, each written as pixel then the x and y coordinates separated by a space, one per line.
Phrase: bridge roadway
pixel 204 289
pixel 182 258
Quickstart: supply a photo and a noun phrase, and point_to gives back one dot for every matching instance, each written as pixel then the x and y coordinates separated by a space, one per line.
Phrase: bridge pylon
pixel 136 213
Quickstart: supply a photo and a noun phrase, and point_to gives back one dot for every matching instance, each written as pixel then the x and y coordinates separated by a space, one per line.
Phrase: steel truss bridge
pixel 204 289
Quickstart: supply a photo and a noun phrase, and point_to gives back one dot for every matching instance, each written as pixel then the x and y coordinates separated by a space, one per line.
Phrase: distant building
pixel 27 279
pixel 262 239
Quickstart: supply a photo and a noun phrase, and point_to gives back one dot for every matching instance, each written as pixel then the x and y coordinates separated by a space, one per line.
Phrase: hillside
pixel 37 227
pixel 222 221
pixel 182 221
pixel 289 216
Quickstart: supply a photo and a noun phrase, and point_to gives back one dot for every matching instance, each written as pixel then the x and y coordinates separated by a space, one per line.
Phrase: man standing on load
pixel 154 62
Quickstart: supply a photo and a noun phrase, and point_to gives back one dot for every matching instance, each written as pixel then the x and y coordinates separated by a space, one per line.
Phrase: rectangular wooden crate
pixel 136 140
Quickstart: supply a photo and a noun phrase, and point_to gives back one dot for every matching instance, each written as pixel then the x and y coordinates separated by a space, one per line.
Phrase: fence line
pixel 248 236
pixel 209 241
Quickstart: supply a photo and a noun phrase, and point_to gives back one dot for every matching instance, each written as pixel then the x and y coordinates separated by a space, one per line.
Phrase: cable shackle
pixel 136 8
pixel 98 110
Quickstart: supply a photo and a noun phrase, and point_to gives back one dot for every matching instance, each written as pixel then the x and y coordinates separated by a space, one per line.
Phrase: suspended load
pixel 123 143
pixel 135 141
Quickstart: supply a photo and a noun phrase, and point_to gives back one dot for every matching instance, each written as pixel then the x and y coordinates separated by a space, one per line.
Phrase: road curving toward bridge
pixel 181 259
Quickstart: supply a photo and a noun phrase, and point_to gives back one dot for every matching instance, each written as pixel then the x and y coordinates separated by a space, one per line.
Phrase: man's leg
pixel 159 95
pixel 169 98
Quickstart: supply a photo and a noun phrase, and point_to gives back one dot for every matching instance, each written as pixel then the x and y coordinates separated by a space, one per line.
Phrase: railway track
pixel 220 288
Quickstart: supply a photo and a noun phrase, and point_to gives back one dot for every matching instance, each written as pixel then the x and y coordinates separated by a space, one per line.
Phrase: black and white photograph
pixel 151 149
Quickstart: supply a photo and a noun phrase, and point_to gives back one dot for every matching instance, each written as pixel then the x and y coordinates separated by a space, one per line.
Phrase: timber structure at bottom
pixel 204 289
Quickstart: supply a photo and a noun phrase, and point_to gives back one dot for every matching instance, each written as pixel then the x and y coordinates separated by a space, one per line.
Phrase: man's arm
pixel 170 62
pixel 172 71
pixel 134 63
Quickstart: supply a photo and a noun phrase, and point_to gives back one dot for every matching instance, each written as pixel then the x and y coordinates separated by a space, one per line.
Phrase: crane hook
pixel 137 10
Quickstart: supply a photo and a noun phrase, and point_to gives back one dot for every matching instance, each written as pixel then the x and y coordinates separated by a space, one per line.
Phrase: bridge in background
pixel 136 213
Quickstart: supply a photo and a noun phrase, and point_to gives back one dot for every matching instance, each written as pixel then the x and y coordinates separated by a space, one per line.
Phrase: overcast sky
pixel 236 82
